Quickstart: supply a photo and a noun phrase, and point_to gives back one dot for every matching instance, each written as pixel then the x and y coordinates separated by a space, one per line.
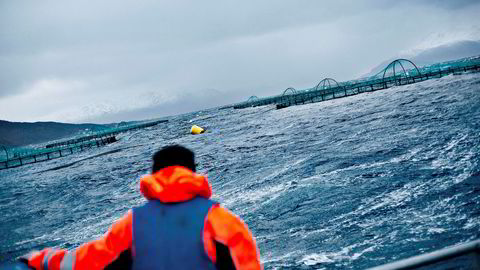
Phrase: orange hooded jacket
pixel 169 185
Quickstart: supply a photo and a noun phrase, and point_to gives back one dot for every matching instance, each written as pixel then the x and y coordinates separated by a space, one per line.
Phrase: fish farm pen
pixel 16 157
pixel 398 72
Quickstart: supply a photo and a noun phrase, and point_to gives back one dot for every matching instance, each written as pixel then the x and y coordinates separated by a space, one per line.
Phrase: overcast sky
pixel 110 60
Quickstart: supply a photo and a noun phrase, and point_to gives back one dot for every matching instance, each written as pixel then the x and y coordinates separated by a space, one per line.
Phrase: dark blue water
pixel 347 183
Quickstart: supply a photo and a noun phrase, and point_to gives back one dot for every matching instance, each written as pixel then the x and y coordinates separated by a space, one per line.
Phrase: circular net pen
pixel 397 72
pixel 252 98
pixel 289 91
pixel 400 72
pixel 327 83
pixel 329 88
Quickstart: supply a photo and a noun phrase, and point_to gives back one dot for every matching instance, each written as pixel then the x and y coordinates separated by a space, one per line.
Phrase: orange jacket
pixel 172 184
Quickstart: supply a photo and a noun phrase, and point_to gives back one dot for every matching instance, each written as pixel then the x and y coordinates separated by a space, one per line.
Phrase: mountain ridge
pixel 13 134
pixel 442 53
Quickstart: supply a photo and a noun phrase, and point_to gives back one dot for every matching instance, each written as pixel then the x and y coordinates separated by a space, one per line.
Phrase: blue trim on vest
pixel 170 236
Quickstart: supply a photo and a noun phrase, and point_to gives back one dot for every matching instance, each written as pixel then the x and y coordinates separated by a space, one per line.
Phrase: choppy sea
pixel 348 183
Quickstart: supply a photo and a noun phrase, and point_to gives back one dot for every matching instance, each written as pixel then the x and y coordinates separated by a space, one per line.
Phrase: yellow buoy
pixel 197 130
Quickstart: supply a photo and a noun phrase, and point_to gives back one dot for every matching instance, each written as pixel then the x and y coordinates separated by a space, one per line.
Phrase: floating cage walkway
pixel 398 72
pixel 19 157
pixel 105 133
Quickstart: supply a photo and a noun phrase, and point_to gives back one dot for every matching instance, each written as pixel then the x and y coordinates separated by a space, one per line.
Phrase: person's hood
pixel 174 184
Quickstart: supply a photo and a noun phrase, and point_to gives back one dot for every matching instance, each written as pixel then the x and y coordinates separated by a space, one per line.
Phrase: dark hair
pixel 173 155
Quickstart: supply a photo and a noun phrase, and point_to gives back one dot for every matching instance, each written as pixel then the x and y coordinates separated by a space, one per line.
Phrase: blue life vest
pixel 170 236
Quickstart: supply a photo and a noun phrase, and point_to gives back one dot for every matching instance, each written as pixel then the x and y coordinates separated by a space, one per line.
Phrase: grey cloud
pixel 71 38
pixel 449 4
pixel 177 47
pixel 442 4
